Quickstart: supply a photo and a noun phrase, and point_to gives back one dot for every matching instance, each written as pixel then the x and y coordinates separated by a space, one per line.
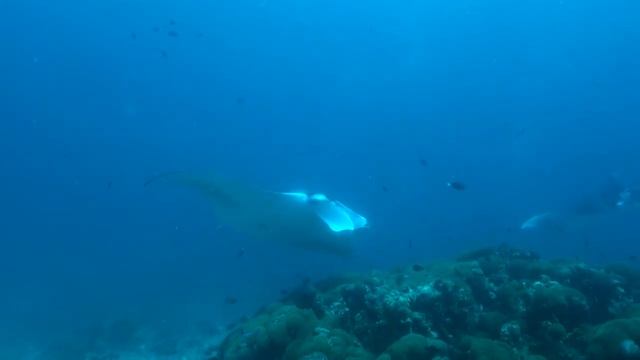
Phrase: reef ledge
pixel 494 303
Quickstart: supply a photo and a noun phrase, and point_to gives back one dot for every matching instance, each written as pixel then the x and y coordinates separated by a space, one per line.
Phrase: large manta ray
pixel 312 222
pixel 612 195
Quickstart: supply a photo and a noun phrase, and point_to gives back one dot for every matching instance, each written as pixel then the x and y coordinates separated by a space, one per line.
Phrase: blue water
pixel 532 104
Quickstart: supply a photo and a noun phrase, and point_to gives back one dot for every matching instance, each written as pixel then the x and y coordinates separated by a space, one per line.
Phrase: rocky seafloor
pixel 491 304
pixel 496 303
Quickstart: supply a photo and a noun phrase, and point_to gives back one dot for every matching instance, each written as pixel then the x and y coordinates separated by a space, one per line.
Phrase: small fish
pixel 240 100
pixel 200 35
pixel 149 181
pixel 632 258
pixel 231 300
pixel 172 33
pixel 109 184
pixel 423 163
pixel 456 185
pixel 284 292
pixel 172 22
pixel 385 188
pixel 164 54
pixel 240 253
pixel 156 29
pixel 417 267
pixel 134 36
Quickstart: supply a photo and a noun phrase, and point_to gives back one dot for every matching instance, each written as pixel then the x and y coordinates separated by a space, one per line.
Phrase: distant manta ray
pixel 612 196
pixel 312 222
pixel 548 221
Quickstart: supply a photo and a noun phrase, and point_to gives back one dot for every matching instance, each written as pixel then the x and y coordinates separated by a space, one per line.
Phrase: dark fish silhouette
pixel 172 33
pixel 156 29
pixel 109 184
pixel 240 253
pixel 134 36
pixel 456 185
pixel 240 100
pixel 164 54
pixel 172 22
pixel 417 268
pixel 231 300
pixel 385 188
pixel 423 163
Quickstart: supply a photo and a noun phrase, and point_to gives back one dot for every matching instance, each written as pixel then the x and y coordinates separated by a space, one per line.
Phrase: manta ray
pixel 308 221
pixel 612 195
pixel 546 222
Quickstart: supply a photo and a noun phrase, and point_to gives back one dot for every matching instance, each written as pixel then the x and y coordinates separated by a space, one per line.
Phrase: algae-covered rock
pixel 631 311
pixel 315 356
pixel 477 348
pixel 327 344
pixel 616 339
pixel 268 335
pixel 491 322
pixel 551 301
pixel 534 357
pixel 521 269
pixel 448 306
pixel 511 333
pixel 415 347
pixel 511 296
pixel 605 290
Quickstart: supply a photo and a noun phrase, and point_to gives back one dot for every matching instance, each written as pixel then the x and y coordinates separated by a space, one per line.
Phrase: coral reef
pixel 494 303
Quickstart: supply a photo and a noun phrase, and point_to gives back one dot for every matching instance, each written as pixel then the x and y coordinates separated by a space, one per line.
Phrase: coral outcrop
pixel 495 303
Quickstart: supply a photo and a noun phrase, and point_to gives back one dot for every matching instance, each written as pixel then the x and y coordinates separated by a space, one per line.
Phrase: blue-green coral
pixel 495 303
